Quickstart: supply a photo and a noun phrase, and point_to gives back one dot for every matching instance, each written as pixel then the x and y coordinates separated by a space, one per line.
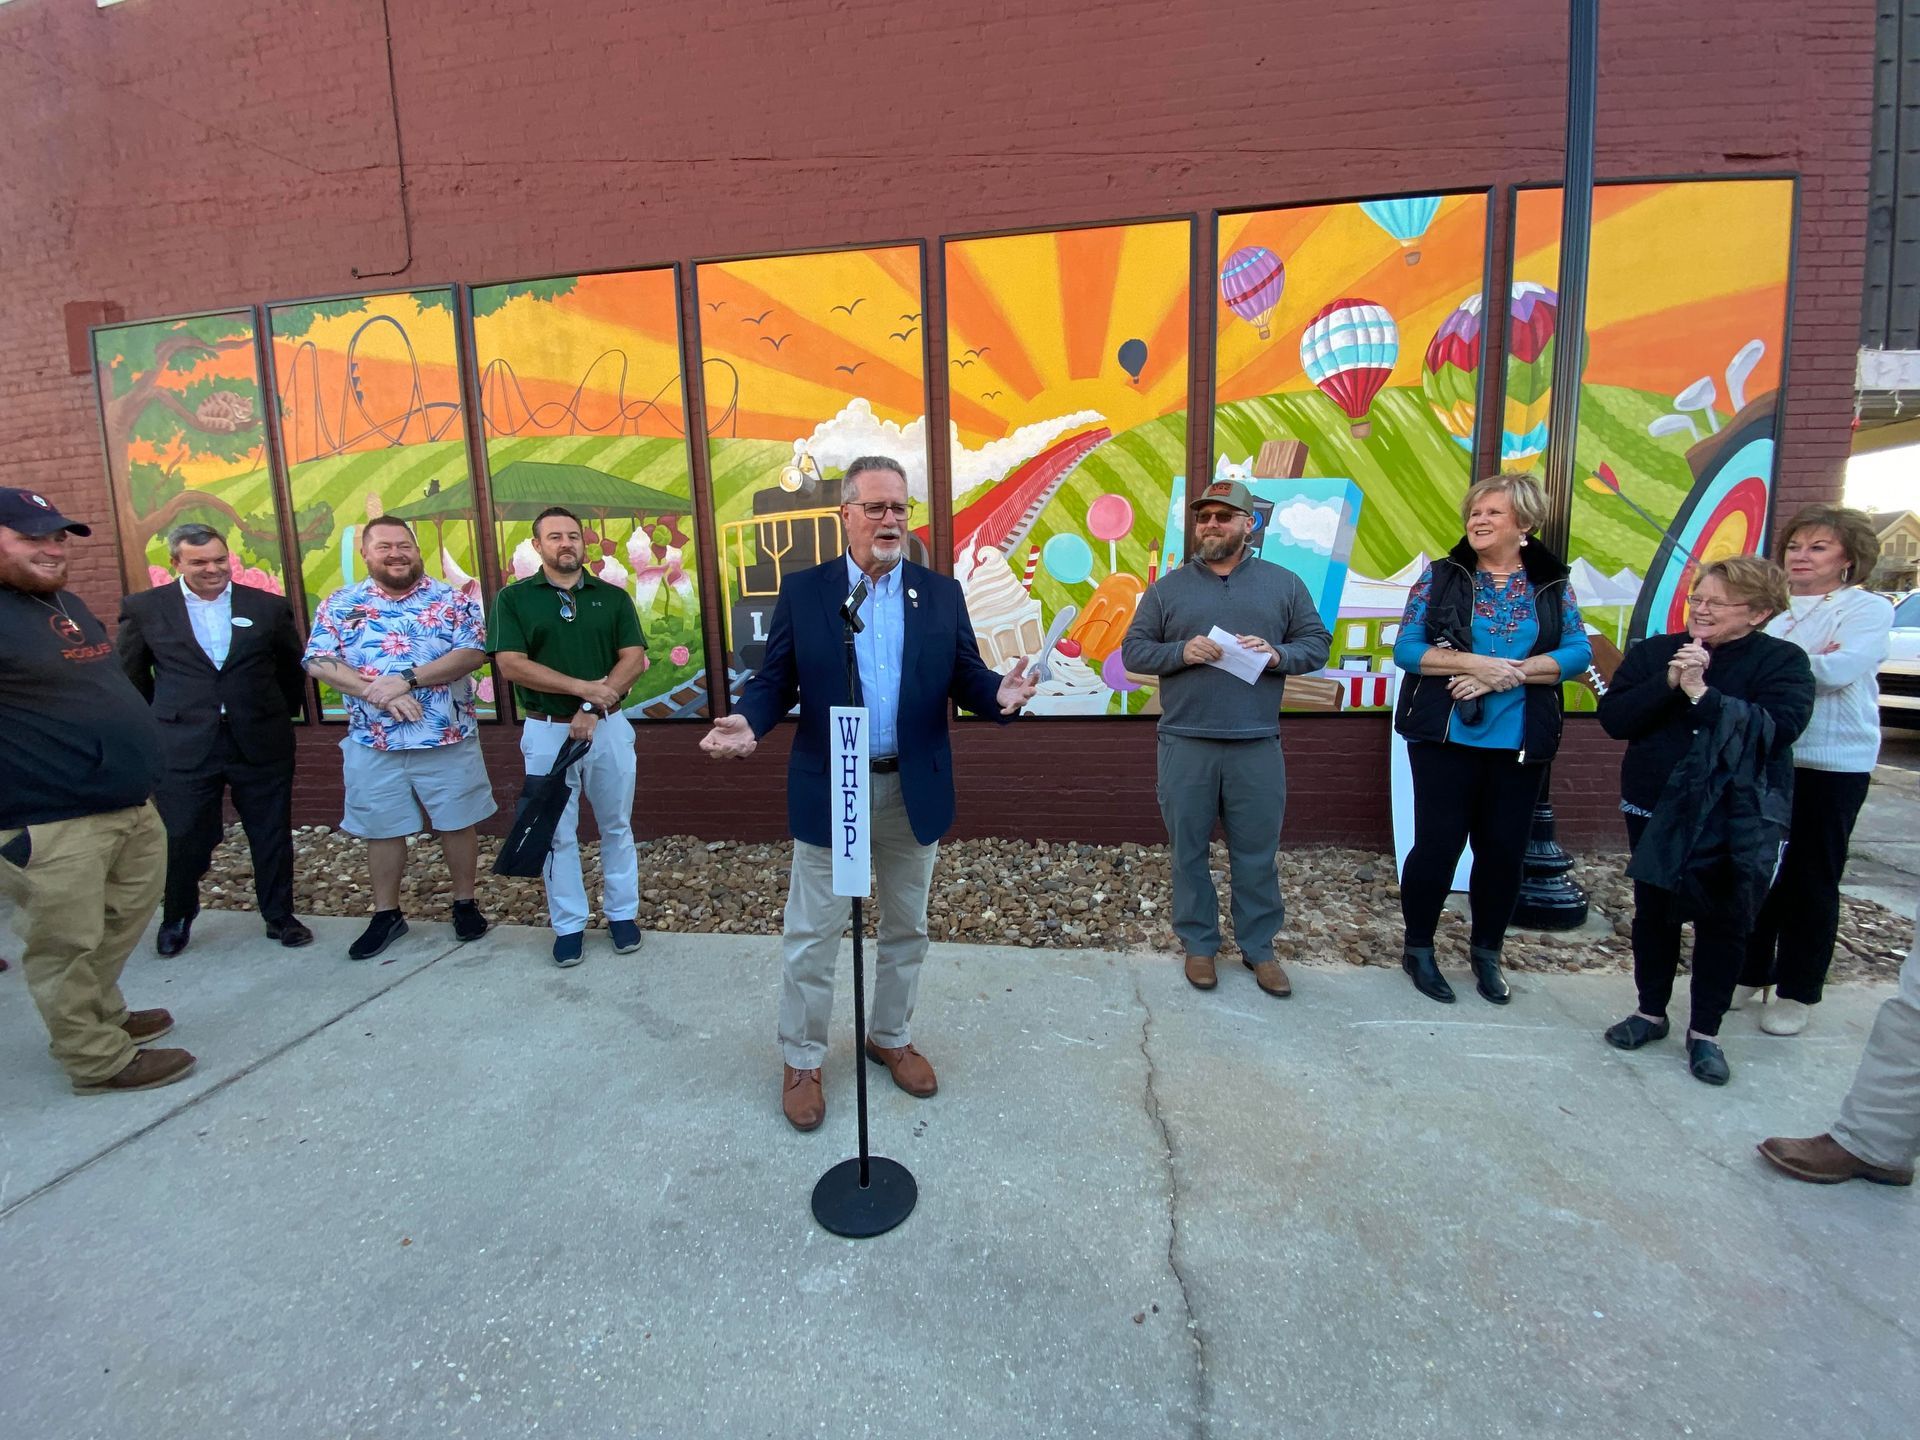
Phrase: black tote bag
pixel 543 799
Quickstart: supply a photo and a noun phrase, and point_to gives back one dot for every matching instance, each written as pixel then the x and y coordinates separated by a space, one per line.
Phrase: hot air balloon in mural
pixel 1450 374
pixel 1405 219
pixel 1133 359
pixel 1250 282
pixel 1533 317
pixel 1349 350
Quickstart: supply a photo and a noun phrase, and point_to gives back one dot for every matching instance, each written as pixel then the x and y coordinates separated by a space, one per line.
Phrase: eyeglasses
pixel 1695 602
pixel 1216 517
pixel 881 509
pixel 566 605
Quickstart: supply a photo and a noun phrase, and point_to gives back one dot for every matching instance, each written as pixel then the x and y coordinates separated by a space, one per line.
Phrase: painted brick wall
pixel 193 154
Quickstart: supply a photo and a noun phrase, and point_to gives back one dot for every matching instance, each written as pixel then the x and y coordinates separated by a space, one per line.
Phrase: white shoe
pixel 1785 1017
pixel 1745 995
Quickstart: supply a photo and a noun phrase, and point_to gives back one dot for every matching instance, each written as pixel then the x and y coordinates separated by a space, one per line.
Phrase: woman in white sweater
pixel 1826 550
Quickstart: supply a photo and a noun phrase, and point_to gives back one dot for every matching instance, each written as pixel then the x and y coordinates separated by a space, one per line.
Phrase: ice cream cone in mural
pixel 1006 620
pixel 1103 624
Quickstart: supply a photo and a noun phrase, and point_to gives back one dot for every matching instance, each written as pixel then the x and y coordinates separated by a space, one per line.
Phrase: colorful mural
pixel 185 430
pixel 808 362
pixel 1679 412
pixel 368 405
pixel 1346 359
pixel 581 405
pixel 1067 370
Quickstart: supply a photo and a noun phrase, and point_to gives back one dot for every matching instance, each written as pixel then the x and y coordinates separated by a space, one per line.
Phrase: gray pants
pixel 1242 784
pixel 817 918
pixel 1880 1118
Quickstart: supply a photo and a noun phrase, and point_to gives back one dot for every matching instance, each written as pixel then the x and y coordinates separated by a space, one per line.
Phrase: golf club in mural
pixel 1349 350
pixel 1251 282
pixel 1405 219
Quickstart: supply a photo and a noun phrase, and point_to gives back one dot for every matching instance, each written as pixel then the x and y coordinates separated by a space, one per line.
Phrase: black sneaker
pixel 1707 1061
pixel 386 927
pixel 468 922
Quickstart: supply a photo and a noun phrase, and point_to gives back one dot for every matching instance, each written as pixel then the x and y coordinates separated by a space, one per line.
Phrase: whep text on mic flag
pixel 849 794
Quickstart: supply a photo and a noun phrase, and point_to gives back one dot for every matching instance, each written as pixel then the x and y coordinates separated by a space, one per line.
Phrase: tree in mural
pixel 214 417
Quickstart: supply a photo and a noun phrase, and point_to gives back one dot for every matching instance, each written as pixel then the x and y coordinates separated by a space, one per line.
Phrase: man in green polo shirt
pixel 571 645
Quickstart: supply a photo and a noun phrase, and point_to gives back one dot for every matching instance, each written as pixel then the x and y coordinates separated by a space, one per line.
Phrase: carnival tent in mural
pixel 808 361
pixel 1067 366
pixel 581 405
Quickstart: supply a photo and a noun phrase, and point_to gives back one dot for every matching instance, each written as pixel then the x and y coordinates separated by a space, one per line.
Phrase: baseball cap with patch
pixel 31 513
pixel 1232 493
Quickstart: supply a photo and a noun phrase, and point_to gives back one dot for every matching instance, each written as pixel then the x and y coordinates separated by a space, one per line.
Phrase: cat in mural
pixel 1228 470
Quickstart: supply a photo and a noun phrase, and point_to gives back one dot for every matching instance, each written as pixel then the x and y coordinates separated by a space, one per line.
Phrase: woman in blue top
pixel 1490 631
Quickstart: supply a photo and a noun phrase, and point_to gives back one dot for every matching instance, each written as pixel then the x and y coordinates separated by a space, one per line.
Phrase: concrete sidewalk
pixel 466 1194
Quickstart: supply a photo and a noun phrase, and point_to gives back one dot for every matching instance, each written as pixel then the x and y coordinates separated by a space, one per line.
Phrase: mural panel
pixel 1679 402
pixel 186 440
pixel 368 402
pixel 581 405
pixel 1067 368
pixel 1346 357
pixel 808 361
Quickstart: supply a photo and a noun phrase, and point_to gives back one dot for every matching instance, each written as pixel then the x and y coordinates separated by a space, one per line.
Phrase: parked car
pixel 1900 675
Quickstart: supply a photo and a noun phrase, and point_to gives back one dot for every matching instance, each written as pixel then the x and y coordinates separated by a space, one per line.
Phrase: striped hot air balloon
pixel 1250 282
pixel 1533 318
pixel 1349 350
pixel 1450 374
pixel 1405 219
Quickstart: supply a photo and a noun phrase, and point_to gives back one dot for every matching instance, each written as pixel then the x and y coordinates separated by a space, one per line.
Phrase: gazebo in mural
pixel 522 489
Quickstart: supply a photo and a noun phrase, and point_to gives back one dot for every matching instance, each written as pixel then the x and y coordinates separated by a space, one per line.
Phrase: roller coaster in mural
pixel 506 410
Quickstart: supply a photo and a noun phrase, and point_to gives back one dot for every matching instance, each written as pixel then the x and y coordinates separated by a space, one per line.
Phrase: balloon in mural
pixel 1251 282
pixel 1068 558
pixel 1450 374
pixel 1133 359
pixel 1405 219
pixel 1533 317
pixel 1349 350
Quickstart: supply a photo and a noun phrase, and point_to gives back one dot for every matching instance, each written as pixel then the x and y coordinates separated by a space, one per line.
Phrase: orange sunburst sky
pixel 602 359
pixel 1335 252
pixel 319 415
pixel 1683 275
pixel 1035 324
pixel 236 365
pixel 807 333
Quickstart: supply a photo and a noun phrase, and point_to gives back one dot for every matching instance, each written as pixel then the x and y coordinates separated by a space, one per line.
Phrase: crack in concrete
pixel 193 1101
pixel 1203 1380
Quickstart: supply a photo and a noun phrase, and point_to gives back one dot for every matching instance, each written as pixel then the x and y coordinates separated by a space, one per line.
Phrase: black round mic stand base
pixel 846 1207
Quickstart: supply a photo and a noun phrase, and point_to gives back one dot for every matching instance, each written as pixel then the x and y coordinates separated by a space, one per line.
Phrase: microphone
pixel 850 608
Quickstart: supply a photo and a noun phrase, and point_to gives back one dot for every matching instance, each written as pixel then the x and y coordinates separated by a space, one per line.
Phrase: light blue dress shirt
pixel 880 649
pixel 212 622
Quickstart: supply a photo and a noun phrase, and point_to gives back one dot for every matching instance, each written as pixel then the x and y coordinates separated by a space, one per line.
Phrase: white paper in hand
pixel 1235 658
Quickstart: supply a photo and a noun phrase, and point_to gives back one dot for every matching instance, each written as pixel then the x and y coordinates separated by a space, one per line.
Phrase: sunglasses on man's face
pixel 881 509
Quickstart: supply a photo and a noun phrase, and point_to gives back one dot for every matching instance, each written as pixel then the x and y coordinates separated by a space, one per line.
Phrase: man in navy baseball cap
pixel 31 513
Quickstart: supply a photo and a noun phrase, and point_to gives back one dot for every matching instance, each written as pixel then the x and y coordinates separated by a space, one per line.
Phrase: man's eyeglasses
pixel 566 605
pixel 881 509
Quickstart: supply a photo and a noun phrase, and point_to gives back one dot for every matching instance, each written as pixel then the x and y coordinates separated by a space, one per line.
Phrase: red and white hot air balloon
pixel 1349 350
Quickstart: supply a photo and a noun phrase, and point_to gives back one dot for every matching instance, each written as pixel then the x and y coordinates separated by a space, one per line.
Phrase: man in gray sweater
pixel 1219 733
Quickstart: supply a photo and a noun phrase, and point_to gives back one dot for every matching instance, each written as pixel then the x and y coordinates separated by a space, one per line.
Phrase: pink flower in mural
pixel 653 569
pixel 679 654
pixel 485 689
pixel 158 575
pixel 525 560
pixel 254 576
pixel 456 577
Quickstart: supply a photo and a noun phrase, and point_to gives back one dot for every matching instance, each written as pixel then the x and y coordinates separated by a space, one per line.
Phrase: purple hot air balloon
pixel 1250 282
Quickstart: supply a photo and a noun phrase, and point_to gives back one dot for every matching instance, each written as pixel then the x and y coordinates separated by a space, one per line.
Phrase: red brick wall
pixel 193 154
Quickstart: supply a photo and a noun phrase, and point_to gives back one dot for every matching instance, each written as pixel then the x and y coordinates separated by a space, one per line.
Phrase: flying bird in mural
pixel 906 334
pixel 1251 283
pixel 854 306
pixel 961 364
pixel 1349 350
pixel 1405 219
pixel 714 305
pixel 756 319
pixel 976 354
pixel 992 394
pixel 914 316
pixel 776 344
pixel 851 369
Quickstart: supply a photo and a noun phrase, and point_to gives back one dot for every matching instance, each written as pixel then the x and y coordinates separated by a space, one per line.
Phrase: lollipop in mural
pixel 1110 518
pixel 1405 219
pixel 1349 350
pixel 1133 359
pixel 1250 282
pixel 1533 317
pixel 1450 374
pixel 1068 559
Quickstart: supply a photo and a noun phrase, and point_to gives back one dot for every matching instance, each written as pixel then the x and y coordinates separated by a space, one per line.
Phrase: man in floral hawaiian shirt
pixel 402 648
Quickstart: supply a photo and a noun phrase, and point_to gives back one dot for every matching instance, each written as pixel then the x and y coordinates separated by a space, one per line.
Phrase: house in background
pixel 1899 567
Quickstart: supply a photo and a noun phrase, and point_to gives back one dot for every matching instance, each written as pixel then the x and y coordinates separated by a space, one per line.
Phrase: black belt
pixel 884 764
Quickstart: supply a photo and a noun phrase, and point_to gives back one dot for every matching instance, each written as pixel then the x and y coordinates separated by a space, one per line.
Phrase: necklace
pixel 57 605
pixel 1794 618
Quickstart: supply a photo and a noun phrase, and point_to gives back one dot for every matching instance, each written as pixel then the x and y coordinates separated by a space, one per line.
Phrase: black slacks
pixel 190 803
pixel 1462 792
pixel 1792 942
pixel 1719 950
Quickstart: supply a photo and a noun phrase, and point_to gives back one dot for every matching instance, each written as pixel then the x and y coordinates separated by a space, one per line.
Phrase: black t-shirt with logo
pixel 75 736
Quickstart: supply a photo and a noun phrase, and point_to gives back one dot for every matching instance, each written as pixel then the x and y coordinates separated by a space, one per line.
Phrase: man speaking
pixel 916 653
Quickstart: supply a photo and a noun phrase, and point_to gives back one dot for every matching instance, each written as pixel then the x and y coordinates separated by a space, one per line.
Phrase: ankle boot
pixel 1486 973
pixel 1417 961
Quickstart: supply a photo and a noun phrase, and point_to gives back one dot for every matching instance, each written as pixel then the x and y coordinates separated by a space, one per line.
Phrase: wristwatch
pixel 587 707
pixel 407 675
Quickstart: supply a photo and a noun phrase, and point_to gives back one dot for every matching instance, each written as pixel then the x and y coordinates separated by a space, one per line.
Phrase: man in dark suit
pixel 916 657
pixel 220 664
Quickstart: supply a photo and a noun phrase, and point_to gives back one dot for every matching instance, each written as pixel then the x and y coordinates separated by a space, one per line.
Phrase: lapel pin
pixel 243 622
pixel 914 596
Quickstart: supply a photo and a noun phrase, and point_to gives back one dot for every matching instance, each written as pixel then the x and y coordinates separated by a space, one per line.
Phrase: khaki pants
pixel 817 918
pixel 1880 1118
pixel 88 889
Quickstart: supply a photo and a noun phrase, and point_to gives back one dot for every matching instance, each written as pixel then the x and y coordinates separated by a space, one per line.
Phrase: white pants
pixel 605 773
pixel 1880 1118
pixel 817 918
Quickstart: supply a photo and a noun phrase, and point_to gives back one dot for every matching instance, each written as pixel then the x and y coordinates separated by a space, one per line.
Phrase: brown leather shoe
pixel 1200 972
pixel 1270 977
pixel 911 1070
pixel 148 1070
pixel 802 1098
pixel 1823 1160
pixel 143 1026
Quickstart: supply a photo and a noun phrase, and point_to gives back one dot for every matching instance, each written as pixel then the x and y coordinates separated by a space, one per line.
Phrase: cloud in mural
pixel 1315 526
pixel 857 431
pixel 999 458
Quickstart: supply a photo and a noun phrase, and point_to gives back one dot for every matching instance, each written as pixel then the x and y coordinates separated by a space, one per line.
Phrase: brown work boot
pixel 148 1070
pixel 802 1098
pixel 1270 977
pixel 1823 1160
pixel 143 1026
pixel 909 1068
pixel 1200 972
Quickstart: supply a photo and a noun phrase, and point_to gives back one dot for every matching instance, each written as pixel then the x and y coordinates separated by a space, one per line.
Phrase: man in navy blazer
pixel 220 664
pixel 916 656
